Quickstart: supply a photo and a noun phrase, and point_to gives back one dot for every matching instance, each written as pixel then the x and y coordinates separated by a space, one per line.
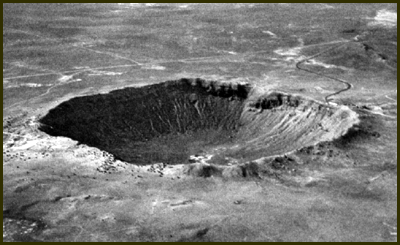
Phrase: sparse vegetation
pixel 288 171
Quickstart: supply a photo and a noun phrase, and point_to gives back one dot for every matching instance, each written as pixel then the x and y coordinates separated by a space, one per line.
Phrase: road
pixel 348 85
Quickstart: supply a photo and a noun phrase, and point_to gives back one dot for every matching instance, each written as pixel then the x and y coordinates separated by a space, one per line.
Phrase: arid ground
pixel 200 122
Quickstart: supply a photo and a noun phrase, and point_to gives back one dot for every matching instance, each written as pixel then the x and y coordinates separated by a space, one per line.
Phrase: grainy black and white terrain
pixel 200 122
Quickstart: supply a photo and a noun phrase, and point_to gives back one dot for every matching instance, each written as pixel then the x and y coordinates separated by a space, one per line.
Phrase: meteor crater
pixel 171 121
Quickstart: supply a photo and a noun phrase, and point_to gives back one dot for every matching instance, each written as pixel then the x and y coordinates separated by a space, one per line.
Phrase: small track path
pixel 348 85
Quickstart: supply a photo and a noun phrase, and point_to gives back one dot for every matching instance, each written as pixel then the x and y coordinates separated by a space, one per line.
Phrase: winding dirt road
pixel 348 85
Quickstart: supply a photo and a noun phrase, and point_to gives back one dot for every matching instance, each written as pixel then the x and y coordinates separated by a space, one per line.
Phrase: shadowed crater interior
pixel 168 122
